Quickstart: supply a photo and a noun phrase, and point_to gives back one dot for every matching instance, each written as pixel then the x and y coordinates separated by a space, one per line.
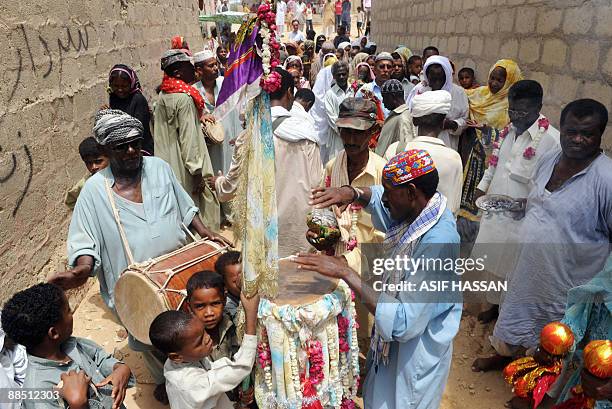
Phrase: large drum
pixel 147 289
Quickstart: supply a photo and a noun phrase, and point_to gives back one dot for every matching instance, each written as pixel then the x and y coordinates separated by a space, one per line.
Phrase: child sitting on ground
pixel 13 364
pixel 229 266
pixel 84 375
pixel 94 160
pixel 467 78
pixel 415 66
pixel 193 380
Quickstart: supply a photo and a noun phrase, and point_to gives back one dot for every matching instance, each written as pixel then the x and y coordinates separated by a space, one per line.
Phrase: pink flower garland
pixel 271 80
pixel 530 151
pixel 264 356
pixel 315 358
pixel 343 328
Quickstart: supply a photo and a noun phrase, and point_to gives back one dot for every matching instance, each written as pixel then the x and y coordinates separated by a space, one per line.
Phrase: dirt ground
pixel 465 389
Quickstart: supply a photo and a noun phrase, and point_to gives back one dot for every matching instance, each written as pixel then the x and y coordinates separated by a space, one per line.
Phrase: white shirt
pixel 299 10
pixel 296 36
pixel 202 385
pixel 459 112
pixel 513 176
pixel 448 163
pixel 333 98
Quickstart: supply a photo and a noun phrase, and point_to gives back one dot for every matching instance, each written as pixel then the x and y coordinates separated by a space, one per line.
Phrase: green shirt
pixel 85 355
pixel 93 230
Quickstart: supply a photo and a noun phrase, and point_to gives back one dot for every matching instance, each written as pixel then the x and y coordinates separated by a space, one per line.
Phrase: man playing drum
pixel 131 211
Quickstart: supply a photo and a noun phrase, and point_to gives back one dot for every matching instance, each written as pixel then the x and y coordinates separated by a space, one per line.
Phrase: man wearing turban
pixel 131 211
pixel 411 350
pixel 428 112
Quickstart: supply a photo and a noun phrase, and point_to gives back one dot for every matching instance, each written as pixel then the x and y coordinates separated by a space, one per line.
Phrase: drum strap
pixel 126 245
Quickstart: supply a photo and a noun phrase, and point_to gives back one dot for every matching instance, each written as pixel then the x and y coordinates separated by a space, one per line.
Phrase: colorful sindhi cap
pixel 408 166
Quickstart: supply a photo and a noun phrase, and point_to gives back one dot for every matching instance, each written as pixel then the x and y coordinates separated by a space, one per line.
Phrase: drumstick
pixel 189 232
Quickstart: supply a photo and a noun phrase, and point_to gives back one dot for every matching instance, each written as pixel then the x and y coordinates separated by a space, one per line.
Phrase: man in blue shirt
pixel 411 348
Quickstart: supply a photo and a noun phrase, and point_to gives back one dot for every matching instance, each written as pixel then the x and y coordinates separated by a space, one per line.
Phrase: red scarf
pixel 174 86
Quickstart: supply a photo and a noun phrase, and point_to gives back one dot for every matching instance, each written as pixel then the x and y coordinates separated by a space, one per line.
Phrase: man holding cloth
pixel 411 349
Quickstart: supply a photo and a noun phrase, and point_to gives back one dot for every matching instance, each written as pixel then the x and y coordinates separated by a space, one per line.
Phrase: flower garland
pixel 271 80
pixel 530 151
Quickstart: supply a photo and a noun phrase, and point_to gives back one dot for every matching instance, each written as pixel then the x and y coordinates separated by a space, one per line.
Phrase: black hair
pixel 429 120
pixel 167 329
pixel 431 48
pixel 228 258
pixel 295 21
pixel 171 69
pixel 413 59
pixel 427 183
pixel 581 108
pixel 286 84
pixel 396 56
pixel 469 70
pixel 305 95
pixel 89 148
pixel 526 89
pixel 205 279
pixel 341 29
pixel 310 35
pixel 28 315
pixel 337 65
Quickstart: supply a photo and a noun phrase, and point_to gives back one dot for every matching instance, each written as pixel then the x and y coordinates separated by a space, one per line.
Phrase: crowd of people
pixel 401 146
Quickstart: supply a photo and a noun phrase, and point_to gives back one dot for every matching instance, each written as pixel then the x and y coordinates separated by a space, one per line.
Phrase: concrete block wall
pixel 563 44
pixel 54 66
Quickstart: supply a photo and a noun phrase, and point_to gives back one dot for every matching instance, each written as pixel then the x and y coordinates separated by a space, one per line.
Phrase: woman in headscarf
pixel 125 94
pixel 488 107
pixel 364 75
pixel 439 75
pixel 294 63
pixel 358 59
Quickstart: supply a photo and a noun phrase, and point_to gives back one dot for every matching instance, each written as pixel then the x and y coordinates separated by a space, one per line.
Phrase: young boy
pixel 13 364
pixel 192 380
pixel 415 66
pixel 229 266
pixel 360 20
pixel 40 319
pixel 467 78
pixel 94 160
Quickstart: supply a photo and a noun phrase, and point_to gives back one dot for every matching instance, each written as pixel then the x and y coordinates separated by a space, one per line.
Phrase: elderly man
pixel 383 68
pixel 317 65
pixel 512 175
pixel 178 133
pixel 398 125
pixel 356 165
pixel 565 234
pixel 411 349
pixel 439 75
pixel 131 211
pixel 339 91
pixel 428 113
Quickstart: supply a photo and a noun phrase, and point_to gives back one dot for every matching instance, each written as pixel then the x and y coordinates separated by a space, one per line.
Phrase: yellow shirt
pixel 365 231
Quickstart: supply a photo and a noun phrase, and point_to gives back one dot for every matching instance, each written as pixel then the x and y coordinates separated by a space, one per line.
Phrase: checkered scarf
pixel 401 239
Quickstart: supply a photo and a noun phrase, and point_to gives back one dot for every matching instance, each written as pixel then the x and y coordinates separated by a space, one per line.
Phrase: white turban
pixel 203 56
pixel 431 102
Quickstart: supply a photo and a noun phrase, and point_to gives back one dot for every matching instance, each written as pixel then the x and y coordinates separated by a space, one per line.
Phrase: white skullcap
pixel 431 102
pixel 203 56
pixel 343 45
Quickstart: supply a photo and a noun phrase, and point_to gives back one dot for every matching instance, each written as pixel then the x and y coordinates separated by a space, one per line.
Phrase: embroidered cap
pixel 392 86
pixel 408 166
pixel 357 113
